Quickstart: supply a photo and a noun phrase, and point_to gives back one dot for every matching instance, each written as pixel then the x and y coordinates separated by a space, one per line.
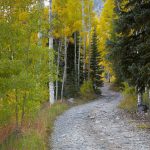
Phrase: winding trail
pixel 98 126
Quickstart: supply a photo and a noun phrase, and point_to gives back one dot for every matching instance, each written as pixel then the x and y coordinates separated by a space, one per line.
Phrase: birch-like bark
pixel 51 84
pixel 79 55
pixel 41 6
pixel 58 63
pixel 65 70
pixel 140 98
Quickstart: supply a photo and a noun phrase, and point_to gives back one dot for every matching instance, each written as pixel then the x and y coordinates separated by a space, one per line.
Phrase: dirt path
pixel 98 126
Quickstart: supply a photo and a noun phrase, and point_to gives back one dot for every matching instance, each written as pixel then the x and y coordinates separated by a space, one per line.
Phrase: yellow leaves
pixel 56 35
pixel 77 25
pixel 23 17
pixel 34 37
pixel 46 13
pixel 67 31
pixel 71 40
pixel 104 29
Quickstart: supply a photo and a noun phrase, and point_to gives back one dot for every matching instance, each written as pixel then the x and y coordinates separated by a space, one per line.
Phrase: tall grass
pixel 129 101
pixel 34 136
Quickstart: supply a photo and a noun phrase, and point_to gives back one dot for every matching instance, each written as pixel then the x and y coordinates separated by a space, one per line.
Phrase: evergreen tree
pixel 96 68
pixel 130 48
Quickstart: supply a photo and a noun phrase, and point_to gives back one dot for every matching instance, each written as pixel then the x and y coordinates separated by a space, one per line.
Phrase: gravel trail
pixel 98 126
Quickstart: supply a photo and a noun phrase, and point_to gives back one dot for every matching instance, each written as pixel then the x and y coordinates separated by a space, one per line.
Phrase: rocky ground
pixel 98 126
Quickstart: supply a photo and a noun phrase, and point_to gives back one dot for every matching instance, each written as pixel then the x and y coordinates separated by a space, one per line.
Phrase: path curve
pixel 98 126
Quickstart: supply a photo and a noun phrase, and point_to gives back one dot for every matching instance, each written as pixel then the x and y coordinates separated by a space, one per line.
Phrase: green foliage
pixel 146 99
pixel 96 68
pixel 5 114
pixel 128 90
pixel 129 104
pixel 129 46
pixel 34 137
pixel 86 89
pixel 144 126
pixel 25 67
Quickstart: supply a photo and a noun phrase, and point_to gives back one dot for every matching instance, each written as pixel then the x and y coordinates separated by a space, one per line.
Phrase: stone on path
pixel 98 126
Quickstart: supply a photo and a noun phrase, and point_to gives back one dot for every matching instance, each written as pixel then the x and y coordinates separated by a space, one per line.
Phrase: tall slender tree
pixel 96 68
pixel 51 84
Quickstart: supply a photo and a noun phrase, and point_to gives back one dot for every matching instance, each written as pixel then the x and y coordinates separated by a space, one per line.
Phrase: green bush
pixel 86 89
pixel 128 90
pixel 35 137
pixel 129 101
pixel 146 99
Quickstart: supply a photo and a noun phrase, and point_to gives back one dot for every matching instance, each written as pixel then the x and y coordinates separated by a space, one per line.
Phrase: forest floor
pixel 99 125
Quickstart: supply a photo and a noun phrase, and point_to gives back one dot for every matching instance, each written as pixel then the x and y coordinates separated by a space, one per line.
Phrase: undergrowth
pixel 86 92
pixel 129 101
pixel 34 136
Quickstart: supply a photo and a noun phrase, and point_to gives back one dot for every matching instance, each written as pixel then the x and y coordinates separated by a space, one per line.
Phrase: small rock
pixel 71 100
pixel 117 118
pixel 63 135
pixel 92 117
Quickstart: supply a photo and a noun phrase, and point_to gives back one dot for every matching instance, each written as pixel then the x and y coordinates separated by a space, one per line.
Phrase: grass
pixel 129 104
pixel 34 136
pixel 144 126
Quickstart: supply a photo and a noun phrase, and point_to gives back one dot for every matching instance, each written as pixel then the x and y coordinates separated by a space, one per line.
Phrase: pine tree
pixel 96 68
pixel 131 44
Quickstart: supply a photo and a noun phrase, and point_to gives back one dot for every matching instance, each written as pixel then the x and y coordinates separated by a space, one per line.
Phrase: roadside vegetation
pixel 35 134
pixel 64 50
pixel 47 53
pixel 129 101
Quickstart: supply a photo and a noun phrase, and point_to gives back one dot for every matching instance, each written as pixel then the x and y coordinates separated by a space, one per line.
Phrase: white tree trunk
pixel 65 70
pixel 41 6
pixel 51 85
pixel 140 98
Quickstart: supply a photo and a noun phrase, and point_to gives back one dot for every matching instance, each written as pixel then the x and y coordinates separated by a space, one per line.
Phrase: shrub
pixel 86 89
pixel 34 137
pixel 129 102
pixel 146 99
pixel 128 90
